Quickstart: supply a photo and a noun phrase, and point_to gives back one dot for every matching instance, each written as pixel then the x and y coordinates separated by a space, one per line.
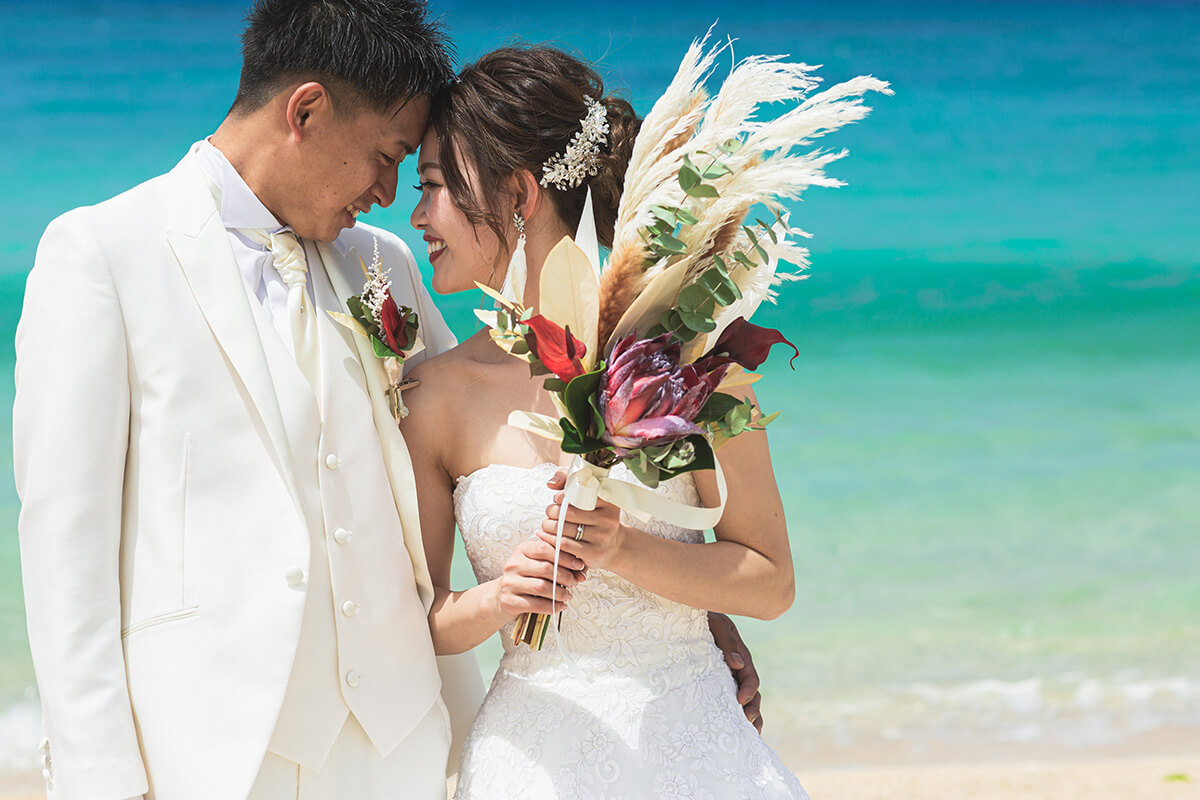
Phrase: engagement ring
pixel 579 532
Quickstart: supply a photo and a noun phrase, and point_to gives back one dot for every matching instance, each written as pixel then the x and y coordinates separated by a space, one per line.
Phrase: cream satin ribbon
pixel 287 256
pixel 587 484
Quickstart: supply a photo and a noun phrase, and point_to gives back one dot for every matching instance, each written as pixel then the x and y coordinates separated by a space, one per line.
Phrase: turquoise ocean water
pixel 990 447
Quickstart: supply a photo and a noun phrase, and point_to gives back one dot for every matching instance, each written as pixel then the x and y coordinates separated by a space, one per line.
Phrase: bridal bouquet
pixel 638 356
pixel 390 327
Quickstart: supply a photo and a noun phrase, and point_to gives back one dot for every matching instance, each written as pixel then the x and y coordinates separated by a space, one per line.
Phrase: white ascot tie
pixel 287 256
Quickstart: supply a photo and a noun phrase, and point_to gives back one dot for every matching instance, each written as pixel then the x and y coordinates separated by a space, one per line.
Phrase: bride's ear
pixel 527 193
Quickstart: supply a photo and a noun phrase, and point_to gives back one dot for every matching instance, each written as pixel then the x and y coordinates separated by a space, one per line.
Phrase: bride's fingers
pixel 545 571
pixel 559 479
pixel 537 550
pixel 569 545
pixel 577 516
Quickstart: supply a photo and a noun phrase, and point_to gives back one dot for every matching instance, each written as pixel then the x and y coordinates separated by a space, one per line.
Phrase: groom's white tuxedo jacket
pixel 185 493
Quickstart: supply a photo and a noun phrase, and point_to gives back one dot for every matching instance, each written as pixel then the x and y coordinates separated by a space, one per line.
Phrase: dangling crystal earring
pixel 514 279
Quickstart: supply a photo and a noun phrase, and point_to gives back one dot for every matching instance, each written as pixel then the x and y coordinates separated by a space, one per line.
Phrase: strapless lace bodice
pixel 609 622
pixel 649 708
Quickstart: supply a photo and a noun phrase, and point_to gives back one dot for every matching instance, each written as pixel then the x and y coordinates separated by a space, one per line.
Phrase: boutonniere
pixel 391 328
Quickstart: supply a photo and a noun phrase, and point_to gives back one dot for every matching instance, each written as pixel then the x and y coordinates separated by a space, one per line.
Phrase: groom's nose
pixel 384 190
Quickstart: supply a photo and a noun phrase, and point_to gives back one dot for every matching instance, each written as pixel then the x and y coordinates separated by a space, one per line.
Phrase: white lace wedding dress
pixel 651 711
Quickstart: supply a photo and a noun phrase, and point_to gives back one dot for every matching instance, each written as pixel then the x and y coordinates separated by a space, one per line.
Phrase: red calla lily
pixel 555 347
pixel 394 325
pixel 744 343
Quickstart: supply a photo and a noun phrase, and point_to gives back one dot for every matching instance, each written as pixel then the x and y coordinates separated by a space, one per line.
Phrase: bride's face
pixel 460 253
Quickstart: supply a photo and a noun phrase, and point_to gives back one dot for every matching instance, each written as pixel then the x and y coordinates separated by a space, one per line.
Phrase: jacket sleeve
pixel 70 437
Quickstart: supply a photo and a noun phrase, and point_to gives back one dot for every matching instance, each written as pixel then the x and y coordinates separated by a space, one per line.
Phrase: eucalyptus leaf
pixel 715 170
pixel 701 190
pixel 670 244
pixel 689 178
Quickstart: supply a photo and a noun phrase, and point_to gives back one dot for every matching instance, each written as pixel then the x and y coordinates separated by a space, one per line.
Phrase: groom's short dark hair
pixel 379 52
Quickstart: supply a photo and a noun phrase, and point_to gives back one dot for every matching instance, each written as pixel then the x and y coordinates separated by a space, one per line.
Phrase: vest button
pixel 349 608
pixel 294 576
pixel 332 461
pixel 352 679
pixel 341 535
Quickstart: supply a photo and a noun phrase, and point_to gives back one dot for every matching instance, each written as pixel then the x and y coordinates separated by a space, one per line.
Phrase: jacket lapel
pixel 201 245
pixel 395 454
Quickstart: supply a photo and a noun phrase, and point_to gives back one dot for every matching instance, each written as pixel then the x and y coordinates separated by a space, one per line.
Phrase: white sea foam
pixel 20 732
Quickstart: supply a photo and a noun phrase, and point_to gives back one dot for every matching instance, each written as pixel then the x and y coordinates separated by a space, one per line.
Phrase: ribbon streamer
pixel 587 484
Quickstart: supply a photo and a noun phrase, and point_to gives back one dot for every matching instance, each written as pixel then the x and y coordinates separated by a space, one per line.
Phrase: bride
pixel 643 704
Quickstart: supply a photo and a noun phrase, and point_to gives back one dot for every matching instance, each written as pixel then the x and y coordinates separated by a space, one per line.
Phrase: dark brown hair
pixel 516 108
pixel 374 54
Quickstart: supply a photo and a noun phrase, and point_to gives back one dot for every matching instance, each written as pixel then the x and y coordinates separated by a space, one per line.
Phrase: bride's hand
pixel 524 585
pixel 600 540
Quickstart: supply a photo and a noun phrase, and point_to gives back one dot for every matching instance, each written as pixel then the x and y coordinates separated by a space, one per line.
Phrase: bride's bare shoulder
pixel 445 379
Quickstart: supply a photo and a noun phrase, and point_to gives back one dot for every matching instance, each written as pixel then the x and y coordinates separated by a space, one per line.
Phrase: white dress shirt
pixel 241 208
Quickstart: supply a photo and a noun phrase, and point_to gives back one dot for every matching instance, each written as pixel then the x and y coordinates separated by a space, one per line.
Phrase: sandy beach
pixel 1143 778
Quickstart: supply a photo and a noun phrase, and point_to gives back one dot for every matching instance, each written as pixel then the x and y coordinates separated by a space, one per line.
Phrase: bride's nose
pixel 419 219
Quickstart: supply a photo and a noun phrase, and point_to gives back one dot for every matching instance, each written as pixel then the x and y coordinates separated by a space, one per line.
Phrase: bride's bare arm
pixel 461 620
pixel 747 571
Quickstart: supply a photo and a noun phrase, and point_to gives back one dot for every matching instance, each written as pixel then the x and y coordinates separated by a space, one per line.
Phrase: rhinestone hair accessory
pixel 582 157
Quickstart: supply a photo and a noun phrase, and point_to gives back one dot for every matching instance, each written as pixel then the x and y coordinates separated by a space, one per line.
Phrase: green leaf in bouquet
pixel 686 217
pixel 643 469
pixel 703 458
pixel 743 259
pixel 715 170
pixel 689 176
pixel 354 305
pixel 555 384
pixel 762 254
pixel 739 417
pixel 520 347
pixel 730 146
pixel 576 398
pixel 667 214
pixel 598 426
pixel 382 350
pixel 719 285
pixel 702 190
pixel 577 443
pixel 719 404
pixel 664 244
pixel 763 422
pixel 768 230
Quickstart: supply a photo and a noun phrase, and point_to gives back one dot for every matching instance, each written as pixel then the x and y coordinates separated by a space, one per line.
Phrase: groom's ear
pixel 307 103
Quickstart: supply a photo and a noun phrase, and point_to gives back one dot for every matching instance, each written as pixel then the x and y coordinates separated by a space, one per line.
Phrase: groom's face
pixel 349 164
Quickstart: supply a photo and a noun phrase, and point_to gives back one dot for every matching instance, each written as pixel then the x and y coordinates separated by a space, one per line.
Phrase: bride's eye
pixel 423 185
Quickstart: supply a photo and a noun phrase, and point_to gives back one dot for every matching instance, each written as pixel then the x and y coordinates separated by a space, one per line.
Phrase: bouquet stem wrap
pixel 586 485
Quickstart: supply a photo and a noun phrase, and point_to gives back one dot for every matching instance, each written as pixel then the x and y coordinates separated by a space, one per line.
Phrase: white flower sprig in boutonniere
pixel 391 328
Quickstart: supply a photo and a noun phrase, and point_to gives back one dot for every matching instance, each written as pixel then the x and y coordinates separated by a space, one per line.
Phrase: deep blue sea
pixel 990 446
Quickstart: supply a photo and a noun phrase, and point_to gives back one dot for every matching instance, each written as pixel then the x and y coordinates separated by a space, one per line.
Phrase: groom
pixel 225 585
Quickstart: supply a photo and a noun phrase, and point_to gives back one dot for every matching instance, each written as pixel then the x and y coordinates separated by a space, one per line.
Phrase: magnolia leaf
pixel 489 318
pixel 492 293
pixel 718 405
pixel 577 399
pixel 644 312
pixel 570 295
pixel 537 424
pixel 348 321
pixel 576 443
pixel 737 376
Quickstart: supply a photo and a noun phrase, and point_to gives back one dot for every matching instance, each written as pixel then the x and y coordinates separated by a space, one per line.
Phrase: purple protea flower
pixel 648 398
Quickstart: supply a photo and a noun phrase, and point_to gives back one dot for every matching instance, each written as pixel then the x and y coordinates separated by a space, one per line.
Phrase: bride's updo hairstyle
pixel 515 109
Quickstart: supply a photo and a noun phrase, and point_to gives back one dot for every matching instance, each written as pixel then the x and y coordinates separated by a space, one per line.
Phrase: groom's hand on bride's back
pixel 737 657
